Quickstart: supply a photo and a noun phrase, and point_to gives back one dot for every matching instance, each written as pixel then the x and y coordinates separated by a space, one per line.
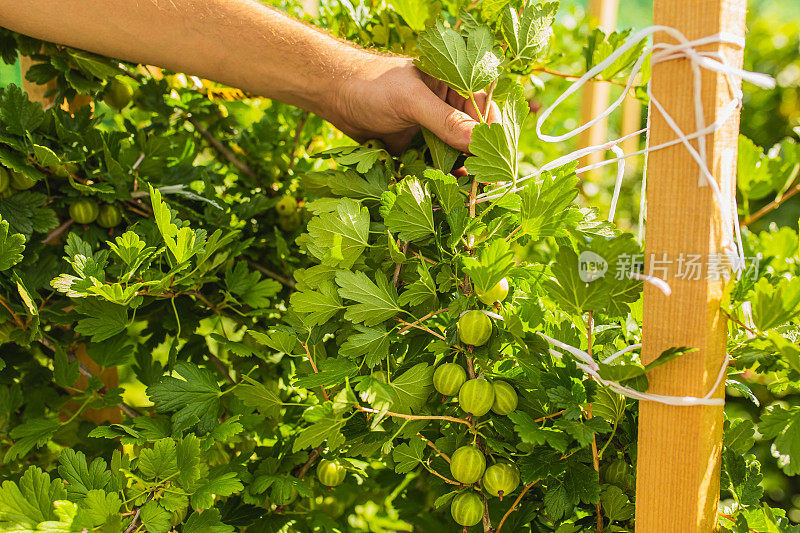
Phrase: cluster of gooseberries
pixel 82 211
pixel 477 396
pixel 86 211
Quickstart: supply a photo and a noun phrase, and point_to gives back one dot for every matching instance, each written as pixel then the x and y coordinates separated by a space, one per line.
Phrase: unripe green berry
pixel 505 398
pixel 476 396
pixel 467 464
pixel 448 378
pixel 474 328
pixel 331 473
pixel 497 293
pixel 466 509
pixel 84 211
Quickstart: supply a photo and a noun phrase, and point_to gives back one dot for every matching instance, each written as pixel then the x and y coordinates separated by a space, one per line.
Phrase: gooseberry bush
pixel 219 315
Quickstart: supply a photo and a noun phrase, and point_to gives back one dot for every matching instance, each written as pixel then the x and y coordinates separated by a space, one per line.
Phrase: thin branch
pixel 487 521
pixel 423 328
pixel 53 235
pixel 277 277
pixel 549 416
pixel 437 450
pixel 514 505
pixel 314 367
pixel 315 453
pixel 398 266
pixel 770 206
pixel 412 417
pixel 134 523
pixel 595 456
pixel 221 148
pixel 423 319
pixel 298 132
pixel 222 370
pixel 738 322
pixel 16 318
pixel 443 478
pixel 545 70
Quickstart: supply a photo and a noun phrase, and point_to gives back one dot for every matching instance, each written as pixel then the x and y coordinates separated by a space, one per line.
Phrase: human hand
pixel 388 98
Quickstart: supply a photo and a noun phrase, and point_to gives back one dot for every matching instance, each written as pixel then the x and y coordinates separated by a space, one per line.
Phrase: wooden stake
pixel 679 447
pixel 596 95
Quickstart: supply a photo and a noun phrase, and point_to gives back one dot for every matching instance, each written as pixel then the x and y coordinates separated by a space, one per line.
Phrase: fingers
pixel 451 125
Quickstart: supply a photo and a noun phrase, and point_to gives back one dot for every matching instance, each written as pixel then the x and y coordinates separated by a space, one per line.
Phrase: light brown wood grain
pixel 595 96
pixel 679 448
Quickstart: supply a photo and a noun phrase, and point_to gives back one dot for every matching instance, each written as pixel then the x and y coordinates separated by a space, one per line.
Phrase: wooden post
pixel 595 96
pixel 679 447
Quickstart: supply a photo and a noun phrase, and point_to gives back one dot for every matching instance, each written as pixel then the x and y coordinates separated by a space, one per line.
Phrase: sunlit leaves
pixel 194 399
pixel 466 63
pixel 375 301
pixel 775 304
pixel 528 34
pixel 338 238
pixel 11 247
pixel 410 210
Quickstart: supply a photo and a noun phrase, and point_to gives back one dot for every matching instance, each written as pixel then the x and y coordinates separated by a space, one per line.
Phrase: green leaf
pixel 65 372
pixel 18 113
pixel 414 12
pixel 220 484
pixel 338 238
pixel 100 506
pixel 181 242
pixel 370 342
pixel 160 461
pixel 668 355
pixel 256 395
pixel 249 286
pixel 529 34
pixel 443 155
pixel 408 455
pixel 495 261
pixel 194 399
pixel 331 372
pixel 376 302
pixel 318 306
pixel 467 65
pixel 783 425
pixel 775 304
pixel 155 518
pixel 29 503
pixel 410 390
pixel 545 207
pixel 446 189
pixel 105 319
pixel 30 435
pixel 421 291
pixel 616 505
pixel 494 146
pixel 411 214
pixel 328 428
pixel 206 522
pixel 80 476
pixel 11 247
pixel 741 475
pixel 279 340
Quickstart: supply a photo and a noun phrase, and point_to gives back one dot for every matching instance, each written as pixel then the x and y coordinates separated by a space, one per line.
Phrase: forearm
pixel 241 43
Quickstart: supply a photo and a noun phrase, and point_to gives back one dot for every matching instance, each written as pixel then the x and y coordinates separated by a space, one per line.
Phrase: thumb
pixel 449 124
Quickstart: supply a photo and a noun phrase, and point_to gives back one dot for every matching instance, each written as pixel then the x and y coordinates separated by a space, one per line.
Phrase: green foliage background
pixel 249 344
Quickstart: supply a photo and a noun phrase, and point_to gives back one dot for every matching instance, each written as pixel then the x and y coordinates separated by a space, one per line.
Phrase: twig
pixel 316 371
pixel 443 478
pixel 277 277
pixel 16 318
pixel 133 525
pixel 423 319
pixel 595 457
pixel 471 367
pixel 298 132
pixel 53 235
pixel 738 322
pixel 221 148
pixel 487 521
pixel 437 450
pixel 514 505
pixel 315 453
pixel 423 258
pixel 570 77
pixel 423 328
pixel 549 416
pixel 489 93
pixel 222 370
pixel 398 266
pixel 412 417
pixel 770 206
